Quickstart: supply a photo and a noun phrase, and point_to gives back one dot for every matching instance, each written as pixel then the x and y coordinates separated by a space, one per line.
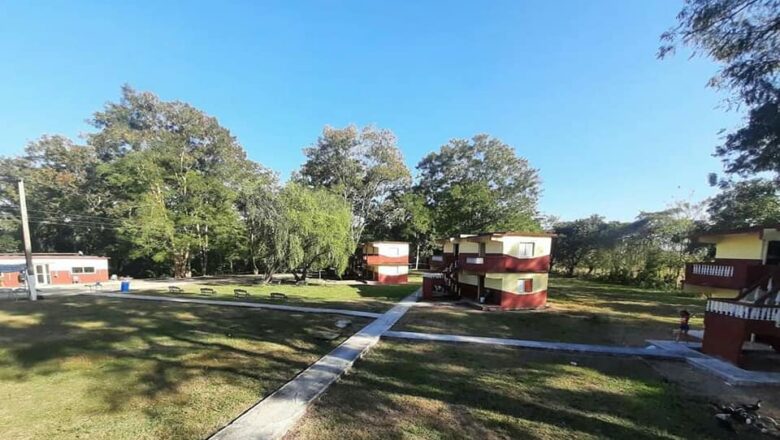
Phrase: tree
pixel 173 171
pixel 317 230
pixel 260 209
pixel 744 204
pixel 405 216
pixel 577 240
pixel 478 185
pixel 67 209
pixel 743 35
pixel 362 166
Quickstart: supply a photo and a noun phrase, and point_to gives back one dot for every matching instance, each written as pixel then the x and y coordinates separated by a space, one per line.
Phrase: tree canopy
pixel 362 166
pixel 744 36
pixel 477 185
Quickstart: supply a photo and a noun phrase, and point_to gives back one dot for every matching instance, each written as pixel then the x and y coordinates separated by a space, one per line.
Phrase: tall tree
pixel 743 35
pixel 173 170
pixel 478 185
pixel 317 230
pixel 746 203
pixel 363 166
pixel 67 209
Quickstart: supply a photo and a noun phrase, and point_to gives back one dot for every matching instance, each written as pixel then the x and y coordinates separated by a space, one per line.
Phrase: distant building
pixel 51 268
pixel 506 270
pixel 386 262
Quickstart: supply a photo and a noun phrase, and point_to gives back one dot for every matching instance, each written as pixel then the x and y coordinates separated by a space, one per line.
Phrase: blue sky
pixel 574 86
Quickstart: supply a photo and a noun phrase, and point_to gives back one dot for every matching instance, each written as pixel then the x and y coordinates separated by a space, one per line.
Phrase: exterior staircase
pixel 451 279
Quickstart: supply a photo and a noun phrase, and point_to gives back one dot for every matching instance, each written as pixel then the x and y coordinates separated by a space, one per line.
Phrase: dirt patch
pixel 710 388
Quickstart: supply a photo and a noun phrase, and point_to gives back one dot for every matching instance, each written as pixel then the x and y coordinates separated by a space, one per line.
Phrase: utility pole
pixel 27 246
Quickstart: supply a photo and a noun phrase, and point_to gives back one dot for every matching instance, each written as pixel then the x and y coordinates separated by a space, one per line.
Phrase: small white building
pixel 54 268
pixel 386 262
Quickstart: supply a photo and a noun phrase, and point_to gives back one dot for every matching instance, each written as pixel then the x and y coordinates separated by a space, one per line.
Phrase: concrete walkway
pixel 256 305
pixel 541 345
pixel 273 416
pixel 731 374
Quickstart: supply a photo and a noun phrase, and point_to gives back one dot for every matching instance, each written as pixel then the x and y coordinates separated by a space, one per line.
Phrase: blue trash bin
pixel 124 286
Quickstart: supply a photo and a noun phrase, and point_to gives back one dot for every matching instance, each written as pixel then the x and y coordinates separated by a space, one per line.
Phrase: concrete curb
pixel 255 305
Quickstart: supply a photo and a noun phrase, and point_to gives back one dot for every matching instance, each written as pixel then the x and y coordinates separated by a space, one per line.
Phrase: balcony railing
pixel 475 260
pixel 744 311
pixel 437 258
pixel 725 275
pixel 713 270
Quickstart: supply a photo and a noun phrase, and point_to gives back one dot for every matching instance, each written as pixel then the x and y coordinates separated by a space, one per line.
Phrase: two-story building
pixel 742 258
pixel 508 270
pixel 743 283
pixel 386 262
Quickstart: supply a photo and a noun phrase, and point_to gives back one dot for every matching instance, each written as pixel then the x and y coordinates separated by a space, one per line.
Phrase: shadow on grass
pixel 153 357
pixel 456 391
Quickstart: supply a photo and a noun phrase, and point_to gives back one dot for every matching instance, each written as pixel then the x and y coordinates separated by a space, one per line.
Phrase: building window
pixel 525 250
pixel 524 286
pixel 87 269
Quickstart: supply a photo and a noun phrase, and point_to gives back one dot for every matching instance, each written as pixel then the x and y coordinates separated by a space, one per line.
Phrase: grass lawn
pixel 435 391
pixel 580 311
pixel 99 368
pixel 371 298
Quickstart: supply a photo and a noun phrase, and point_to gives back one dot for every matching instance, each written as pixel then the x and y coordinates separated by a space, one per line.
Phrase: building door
pixel 42 274
pixel 773 253
pixel 456 249
pixel 481 287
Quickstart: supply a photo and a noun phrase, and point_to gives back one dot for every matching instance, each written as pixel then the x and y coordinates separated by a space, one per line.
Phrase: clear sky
pixel 574 86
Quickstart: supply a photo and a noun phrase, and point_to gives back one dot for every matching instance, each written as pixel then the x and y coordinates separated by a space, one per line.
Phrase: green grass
pixel 120 369
pixel 371 298
pixel 580 311
pixel 445 391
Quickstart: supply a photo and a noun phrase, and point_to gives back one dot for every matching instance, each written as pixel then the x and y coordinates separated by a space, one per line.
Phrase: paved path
pixel 540 345
pixel 256 305
pixel 273 416
pixel 731 374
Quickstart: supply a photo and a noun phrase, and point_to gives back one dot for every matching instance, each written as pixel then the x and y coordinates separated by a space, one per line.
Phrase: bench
pixel 175 289
pixel 277 295
pixel 94 287
pixel 207 291
pixel 240 293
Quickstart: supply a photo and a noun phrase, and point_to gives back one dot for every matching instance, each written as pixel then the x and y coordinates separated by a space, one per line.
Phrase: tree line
pixel 163 189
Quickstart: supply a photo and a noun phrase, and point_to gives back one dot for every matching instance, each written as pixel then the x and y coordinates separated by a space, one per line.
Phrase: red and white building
pixel 503 270
pixel 57 269
pixel 386 262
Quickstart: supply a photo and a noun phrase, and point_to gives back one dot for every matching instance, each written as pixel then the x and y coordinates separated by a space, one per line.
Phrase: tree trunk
pixel 180 264
pixel 570 270
pixel 417 258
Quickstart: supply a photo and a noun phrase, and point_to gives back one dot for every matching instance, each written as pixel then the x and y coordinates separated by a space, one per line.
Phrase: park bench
pixel 207 291
pixel 94 287
pixel 240 293
pixel 277 295
pixel 175 289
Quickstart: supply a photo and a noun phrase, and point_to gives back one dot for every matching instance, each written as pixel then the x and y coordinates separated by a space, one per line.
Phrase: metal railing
pixel 744 311
pixel 713 270
pixel 475 260
pixel 437 258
